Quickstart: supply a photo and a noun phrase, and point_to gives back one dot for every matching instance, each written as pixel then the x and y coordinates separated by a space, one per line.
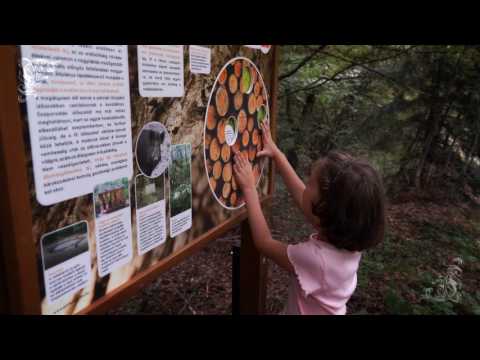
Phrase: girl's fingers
pixel 264 132
pixel 239 161
pixel 266 129
pixel 266 137
pixel 237 171
pixel 236 158
pixel 240 158
pixel 245 161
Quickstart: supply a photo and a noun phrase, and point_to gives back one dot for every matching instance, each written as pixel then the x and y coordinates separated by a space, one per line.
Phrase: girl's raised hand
pixel 243 172
pixel 270 149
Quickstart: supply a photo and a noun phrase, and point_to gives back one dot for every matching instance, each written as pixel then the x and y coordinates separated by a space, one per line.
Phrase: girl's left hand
pixel 243 172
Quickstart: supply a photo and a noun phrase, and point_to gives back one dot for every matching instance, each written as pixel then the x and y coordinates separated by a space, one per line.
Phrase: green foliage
pixel 401 106
pixel 395 304
pixel 144 197
pixel 414 112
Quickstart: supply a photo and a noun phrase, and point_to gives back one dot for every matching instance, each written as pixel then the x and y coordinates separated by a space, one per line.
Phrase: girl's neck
pixel 319 236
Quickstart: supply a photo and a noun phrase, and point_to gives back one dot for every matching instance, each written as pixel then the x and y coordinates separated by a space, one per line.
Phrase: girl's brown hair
pixel 351 205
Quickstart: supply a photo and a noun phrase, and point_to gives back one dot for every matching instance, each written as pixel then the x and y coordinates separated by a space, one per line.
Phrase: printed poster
pixel 200 59
pixel 78 103
pixel 113 225
pixel 151 217
pixel 66 261
pixel 263 48
pixel 237 108
pixel 160 70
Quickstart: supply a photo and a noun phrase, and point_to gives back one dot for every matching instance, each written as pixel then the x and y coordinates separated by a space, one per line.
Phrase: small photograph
pixel 149 191
pixel 111 196
pixel 180 179
pixel 64 244
pixel 153 149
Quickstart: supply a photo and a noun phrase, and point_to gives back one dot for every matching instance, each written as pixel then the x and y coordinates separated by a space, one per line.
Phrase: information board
pixel 106 160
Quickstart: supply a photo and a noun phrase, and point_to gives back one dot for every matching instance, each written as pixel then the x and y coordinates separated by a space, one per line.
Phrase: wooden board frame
pixel 19 288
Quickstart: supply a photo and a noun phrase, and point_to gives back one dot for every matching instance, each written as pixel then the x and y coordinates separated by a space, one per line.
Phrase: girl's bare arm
pixel 273 249
pixel 294 184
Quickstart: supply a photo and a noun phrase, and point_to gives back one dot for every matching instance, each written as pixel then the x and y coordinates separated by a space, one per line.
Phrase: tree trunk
pixel 426 148
pixel 309 106
pixel 291 153
pixel 473 150
pixel 433 127
pixel 408 153
pixel 449 156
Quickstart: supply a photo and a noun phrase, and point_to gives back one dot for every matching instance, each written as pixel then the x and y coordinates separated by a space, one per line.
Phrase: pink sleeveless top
pixel 325 278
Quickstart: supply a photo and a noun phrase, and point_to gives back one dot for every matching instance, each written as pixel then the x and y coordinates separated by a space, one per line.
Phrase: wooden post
pixel 253 275
pixel 15 211
pixel 235 280
pixel 3 287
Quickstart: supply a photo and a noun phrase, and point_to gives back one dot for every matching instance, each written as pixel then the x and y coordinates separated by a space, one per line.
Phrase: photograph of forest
pixel 180 179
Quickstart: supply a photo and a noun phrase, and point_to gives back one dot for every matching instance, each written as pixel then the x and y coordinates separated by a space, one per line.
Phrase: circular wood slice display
pixel 237 93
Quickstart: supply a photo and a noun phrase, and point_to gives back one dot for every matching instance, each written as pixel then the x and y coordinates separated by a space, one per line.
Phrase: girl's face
pixel 311 197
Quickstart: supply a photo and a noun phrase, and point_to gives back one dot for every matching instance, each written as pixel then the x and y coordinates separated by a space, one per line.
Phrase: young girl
pixel 344 200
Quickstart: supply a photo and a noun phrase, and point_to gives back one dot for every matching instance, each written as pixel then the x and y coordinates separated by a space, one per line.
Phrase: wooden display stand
pixel 19 270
